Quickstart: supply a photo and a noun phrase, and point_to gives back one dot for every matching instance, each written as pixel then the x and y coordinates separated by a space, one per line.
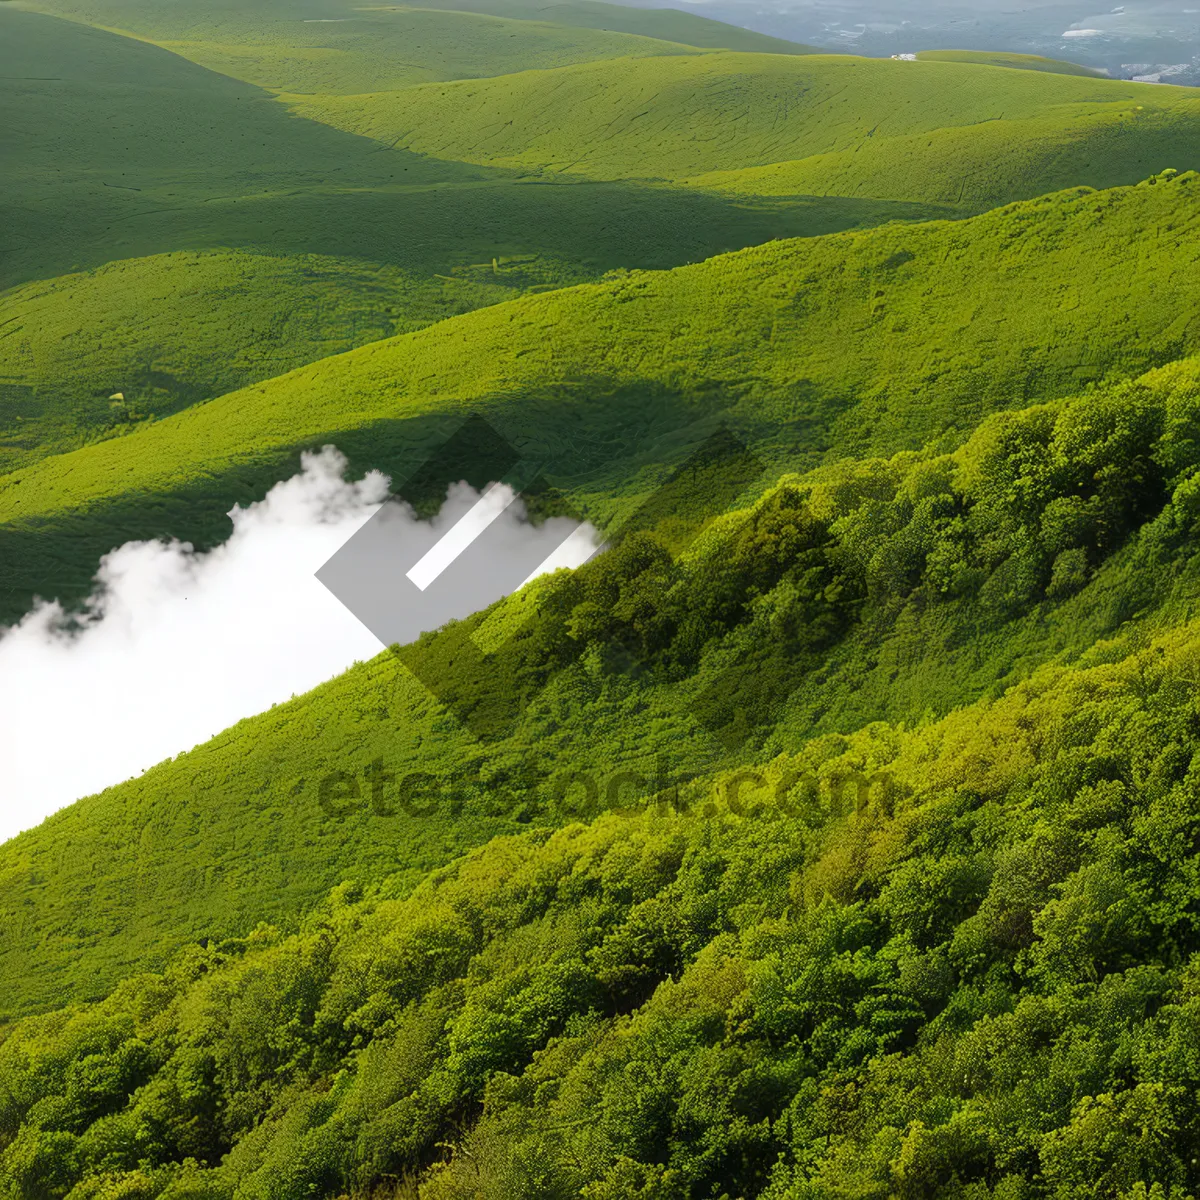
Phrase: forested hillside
pixel 834 833
pixel 869 958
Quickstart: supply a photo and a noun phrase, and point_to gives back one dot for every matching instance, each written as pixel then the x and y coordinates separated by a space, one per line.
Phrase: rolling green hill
pixel 492 214
pixel 673 995
pixel 340 47
pixel 926 352
pixel 300 47
pixel 164 332
pixel 121 153
pixel 834 834
pixel 946 132
pixel 865 342
pixel 670 24
pixel 636 117
pixel 127 152
pixel 896 561
pixel 1019 62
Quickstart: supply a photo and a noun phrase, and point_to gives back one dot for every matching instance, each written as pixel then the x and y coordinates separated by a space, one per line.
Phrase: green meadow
pixel 832 835
pixel 198 162
pixel 761 109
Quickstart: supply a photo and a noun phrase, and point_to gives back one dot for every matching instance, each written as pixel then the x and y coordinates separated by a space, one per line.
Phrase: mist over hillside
pixel 1144 38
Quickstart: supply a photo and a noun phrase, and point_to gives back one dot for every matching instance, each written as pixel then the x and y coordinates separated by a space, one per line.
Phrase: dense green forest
pixel 950 956
pixel 835 833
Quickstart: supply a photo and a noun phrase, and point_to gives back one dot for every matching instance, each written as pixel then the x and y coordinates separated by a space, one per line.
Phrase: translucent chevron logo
pixel 402 576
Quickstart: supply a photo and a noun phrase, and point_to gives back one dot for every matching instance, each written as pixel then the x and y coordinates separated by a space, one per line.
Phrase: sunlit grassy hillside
pixel 97 352
pixel 958 802
pixel 855 343
pixel 335 46
pixel 833 834
pixel 1019 62
pixel 118 152
pixel 314 47
pixel 871 589
pixel 116 149
pixel 943 132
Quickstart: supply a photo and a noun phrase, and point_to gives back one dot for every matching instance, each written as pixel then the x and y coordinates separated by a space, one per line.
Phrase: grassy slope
pixel 639 117
pixel 209 844
pixel 162 177
pixel 257 841
pixel 117 150
pixel 668 23
pixel 124 150
pixel 1018 62
pixel 308 46
pixel 976 168
pixel 938 985
pixel 174 329
pixel 939 132
pixel 860 342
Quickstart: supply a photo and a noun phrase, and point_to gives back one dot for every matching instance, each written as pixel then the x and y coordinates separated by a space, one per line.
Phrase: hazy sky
pixel 1120 38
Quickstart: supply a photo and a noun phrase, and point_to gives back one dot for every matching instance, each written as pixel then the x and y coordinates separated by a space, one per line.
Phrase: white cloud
pixel 175 645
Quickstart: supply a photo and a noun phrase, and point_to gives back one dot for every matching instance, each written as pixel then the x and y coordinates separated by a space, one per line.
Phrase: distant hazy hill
pixel 1019 62
pixel 340 47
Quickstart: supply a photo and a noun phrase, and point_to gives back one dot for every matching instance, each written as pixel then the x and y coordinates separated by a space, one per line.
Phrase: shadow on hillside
pixel 607 445
pixel 118 149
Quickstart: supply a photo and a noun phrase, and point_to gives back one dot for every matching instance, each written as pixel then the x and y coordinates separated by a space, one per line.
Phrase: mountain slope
pixel 856 343
pixel 175 329
pixel 679 118
pixel 834 834
pixel 924 581
pixel 951 950
pixel 120 152
pixel 874 590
